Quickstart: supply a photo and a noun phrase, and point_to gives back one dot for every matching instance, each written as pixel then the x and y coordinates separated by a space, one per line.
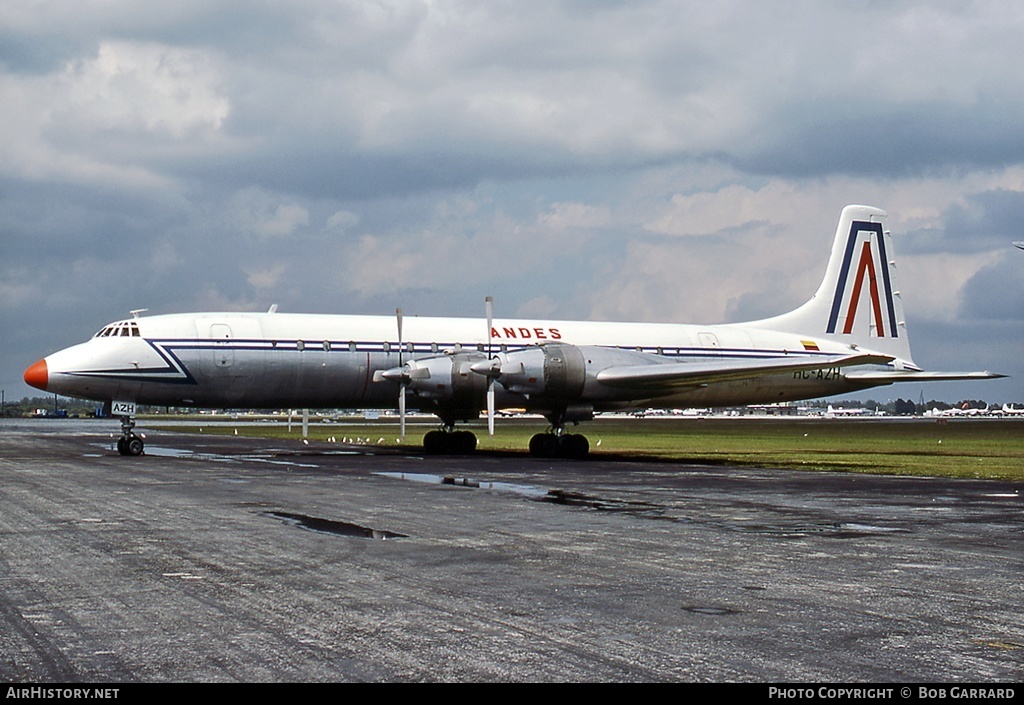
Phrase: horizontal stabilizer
pixel 888 376
pixel 671 376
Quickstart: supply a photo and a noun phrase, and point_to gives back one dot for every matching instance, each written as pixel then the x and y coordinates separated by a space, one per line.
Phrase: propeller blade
pixel 398 315
pixel 490 406
pixel 402 382
pixel 489 307
pixel 401 411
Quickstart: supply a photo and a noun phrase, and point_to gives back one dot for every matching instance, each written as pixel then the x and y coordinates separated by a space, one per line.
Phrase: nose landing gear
pixel 129 443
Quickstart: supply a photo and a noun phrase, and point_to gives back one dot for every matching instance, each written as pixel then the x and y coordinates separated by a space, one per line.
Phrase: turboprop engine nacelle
pixel 561 373
pixel 445 378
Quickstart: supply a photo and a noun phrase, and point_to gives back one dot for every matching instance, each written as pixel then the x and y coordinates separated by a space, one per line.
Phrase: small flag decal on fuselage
pixel 810 345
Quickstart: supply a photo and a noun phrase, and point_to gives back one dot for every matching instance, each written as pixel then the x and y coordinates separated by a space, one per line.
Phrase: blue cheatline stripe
pixel 339 346
pixel 174 373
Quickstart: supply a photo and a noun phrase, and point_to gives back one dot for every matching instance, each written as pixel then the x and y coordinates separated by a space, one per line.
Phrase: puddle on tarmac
pixel 712 611
pixel 524 490
pixel 783 530
pixel 538 494
pixel 164 452
pixel 337 528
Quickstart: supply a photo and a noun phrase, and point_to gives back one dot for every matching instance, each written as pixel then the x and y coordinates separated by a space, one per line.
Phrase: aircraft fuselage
pixel 280 360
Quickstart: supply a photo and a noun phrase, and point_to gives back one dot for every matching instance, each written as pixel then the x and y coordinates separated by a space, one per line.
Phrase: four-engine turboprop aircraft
pixel 849 336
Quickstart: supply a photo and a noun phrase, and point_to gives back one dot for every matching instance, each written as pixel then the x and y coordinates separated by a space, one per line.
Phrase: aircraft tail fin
pixel 857 302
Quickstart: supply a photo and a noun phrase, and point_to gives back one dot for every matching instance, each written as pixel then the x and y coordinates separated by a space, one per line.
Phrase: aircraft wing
pixel 676 375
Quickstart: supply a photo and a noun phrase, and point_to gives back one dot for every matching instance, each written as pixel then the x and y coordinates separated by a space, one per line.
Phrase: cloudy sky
pixel 640 160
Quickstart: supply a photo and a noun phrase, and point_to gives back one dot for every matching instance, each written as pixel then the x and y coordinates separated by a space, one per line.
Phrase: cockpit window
pixel 121 329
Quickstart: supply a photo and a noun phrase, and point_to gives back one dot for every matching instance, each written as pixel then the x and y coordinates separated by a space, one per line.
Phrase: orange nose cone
pixel 37 375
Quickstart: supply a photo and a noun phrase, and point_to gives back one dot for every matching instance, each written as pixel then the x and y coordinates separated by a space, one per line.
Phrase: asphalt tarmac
pixel 216 559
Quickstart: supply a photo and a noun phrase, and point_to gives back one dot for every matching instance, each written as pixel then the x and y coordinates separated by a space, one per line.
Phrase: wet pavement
pixel 231 559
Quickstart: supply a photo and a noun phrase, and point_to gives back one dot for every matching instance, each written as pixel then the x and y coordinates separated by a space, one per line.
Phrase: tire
pixel 575 446
pixel 464 442
pixel 544 445
pixel 134 446
pixel 434 443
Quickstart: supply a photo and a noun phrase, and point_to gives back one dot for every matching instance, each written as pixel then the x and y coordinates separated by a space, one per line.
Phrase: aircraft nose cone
pixel 37 375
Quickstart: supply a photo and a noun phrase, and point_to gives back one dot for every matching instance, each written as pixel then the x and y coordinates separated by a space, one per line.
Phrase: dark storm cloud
pixel 1004 275
pixel 38 54
pixel 809 140
pixel 989 219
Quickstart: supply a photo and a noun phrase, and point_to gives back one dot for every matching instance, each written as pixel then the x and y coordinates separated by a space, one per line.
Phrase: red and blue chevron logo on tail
pixel 865 258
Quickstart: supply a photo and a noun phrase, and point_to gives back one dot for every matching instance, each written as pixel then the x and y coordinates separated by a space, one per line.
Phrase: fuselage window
pixel 387 347
pixel 300 345
pixel 433 348
pixel 351 346
pixel 327 346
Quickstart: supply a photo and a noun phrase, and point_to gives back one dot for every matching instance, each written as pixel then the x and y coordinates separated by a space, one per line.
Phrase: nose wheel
pixel 129 443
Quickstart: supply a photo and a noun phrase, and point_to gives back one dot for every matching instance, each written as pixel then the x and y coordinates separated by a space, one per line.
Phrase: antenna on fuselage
pixel 136 312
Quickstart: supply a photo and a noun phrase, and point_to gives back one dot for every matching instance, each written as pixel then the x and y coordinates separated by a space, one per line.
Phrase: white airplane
pixel 841 411
pixel 849 336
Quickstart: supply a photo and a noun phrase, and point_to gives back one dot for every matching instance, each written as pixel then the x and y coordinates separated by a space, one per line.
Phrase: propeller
pixel 489 306
pixel 402 383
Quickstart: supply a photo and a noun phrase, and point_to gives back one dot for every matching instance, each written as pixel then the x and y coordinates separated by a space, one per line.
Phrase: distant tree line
pixel 49 406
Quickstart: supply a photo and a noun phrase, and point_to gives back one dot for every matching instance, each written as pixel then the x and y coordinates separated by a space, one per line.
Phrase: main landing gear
pixel 573 446
pixel 448 441
pixel 129 443
pixel 555 443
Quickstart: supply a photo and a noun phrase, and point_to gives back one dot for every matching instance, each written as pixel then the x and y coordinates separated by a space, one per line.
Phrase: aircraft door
pixel 223 354
pixel 709 341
